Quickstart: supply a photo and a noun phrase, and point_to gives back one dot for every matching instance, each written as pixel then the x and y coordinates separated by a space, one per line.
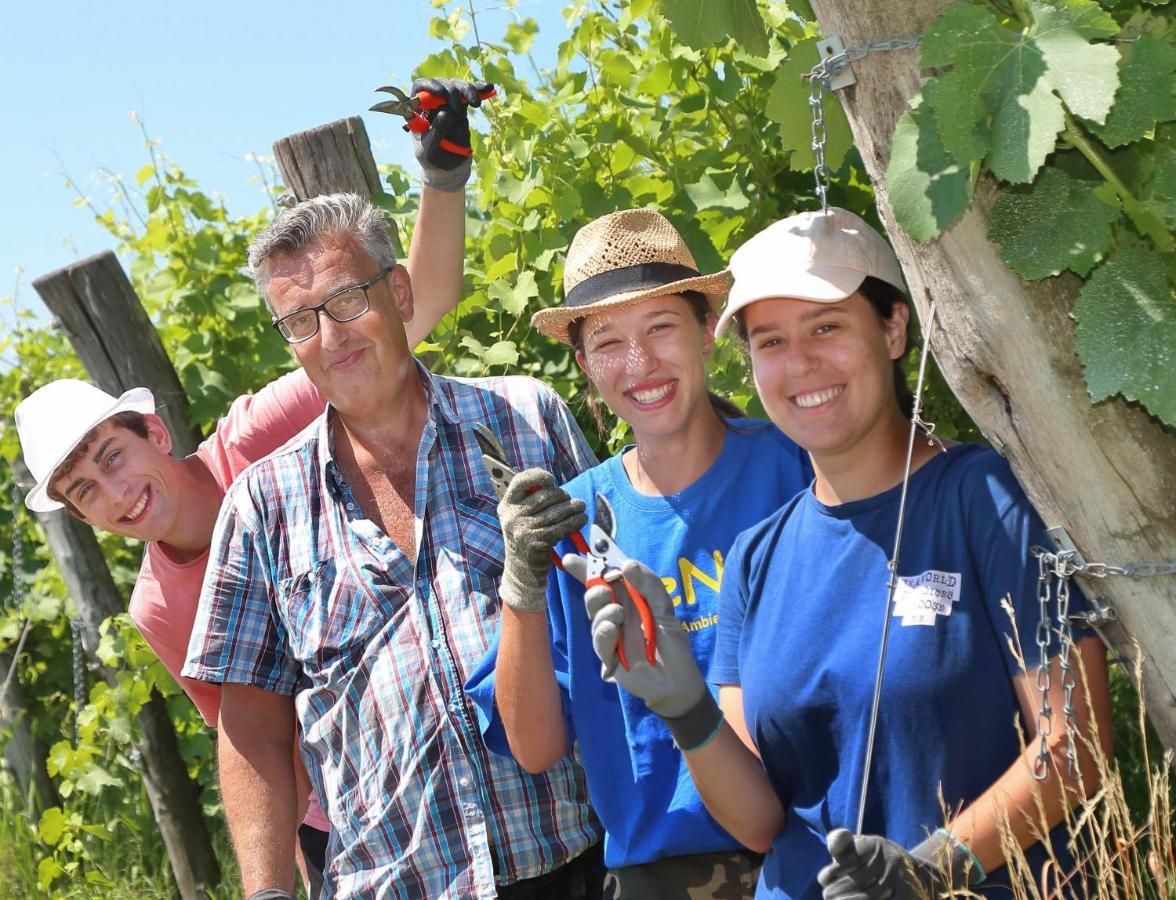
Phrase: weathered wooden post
pixel 97 307
pixel 174 798
pixel 328 159
pixel 116 342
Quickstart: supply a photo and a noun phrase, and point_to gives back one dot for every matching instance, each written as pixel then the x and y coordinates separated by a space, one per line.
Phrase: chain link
pixel 79 674
pixel 1044 637
pixel 1065 645
pixel 820 78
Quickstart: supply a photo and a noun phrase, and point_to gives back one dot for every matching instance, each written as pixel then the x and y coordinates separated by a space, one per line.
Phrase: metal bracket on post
pixel 832 47
pixel 1064 545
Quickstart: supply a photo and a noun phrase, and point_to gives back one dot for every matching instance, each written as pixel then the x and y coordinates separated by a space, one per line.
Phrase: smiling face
pixel 124 483
pixel 352 362
pixel 824 371
pixel 648 361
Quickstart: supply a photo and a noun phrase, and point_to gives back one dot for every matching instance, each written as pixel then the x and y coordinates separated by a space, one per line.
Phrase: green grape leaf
pixel 51 826
pixel 1053 224
pixel 1001 95
pixel 705 194
pixel 788 104
pixel 928 189
pixel 95 778
pixel 1147 91
pixel 704 23
pixel 1085 75
pixel 1126 334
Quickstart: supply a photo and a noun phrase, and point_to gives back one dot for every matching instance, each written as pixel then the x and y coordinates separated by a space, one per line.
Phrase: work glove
pixel 673 687
pixel 271 894
pixel 442 169
pixel 874 868
pixel 535 515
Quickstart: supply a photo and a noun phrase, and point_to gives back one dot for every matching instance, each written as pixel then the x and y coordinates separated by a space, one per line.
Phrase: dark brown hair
pixel 701 309
pixel 132 421
pixel 882 297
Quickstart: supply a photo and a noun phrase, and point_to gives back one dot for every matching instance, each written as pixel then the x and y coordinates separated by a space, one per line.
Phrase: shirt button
pixel 463 781
pixel 453 707
pixel 436 645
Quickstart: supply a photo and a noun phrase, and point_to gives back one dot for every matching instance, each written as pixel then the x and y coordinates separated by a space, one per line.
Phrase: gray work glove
pixel 874 868
pixel 442 169
pixel 535 515
pixel 271 894
pixel 673 687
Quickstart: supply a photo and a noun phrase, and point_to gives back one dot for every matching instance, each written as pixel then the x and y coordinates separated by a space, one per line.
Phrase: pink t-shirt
pixel 167 593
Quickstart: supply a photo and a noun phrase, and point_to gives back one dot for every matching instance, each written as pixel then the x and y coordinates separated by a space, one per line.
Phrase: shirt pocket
pixel 480 534
pixel 331 614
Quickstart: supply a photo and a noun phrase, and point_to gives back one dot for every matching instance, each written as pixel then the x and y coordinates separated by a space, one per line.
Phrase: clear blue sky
pixel 213 81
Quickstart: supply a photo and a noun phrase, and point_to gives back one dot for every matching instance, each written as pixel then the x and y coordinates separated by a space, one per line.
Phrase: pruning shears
pixel 501 475
pixel 605 567
pixel 418 112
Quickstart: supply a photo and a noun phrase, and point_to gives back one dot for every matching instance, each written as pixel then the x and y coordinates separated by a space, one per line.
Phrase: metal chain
pixel 1063 566
pixel 79 674
pixel 820 78
pixel 1044 636
pixel 17 597
pixel 1065 645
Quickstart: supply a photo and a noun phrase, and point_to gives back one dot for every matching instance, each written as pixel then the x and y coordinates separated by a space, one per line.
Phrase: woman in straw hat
pixel 641 318
pixel 819 299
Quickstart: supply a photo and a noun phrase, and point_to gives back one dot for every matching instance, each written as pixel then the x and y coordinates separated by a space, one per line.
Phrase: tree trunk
pixel 174 798
pixel 1105 472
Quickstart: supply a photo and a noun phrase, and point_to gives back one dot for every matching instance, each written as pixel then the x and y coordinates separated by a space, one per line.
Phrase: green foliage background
pixel 644 106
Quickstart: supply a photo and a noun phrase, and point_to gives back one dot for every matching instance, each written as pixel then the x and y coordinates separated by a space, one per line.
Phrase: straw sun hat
pixel 621 259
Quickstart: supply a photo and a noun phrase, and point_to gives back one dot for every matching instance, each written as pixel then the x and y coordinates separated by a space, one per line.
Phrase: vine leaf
pixel 1147 91
pixel 1085 75
pixel 788 104
pixel 928 189
pixel 704 23
pixel 1126 334
pixel 1056 223
pixel 1003 93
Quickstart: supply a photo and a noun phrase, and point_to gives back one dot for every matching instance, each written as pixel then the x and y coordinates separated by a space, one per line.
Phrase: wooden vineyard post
pixel 116 342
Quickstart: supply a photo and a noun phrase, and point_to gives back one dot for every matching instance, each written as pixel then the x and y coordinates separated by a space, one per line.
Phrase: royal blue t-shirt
pixel 637 779
pixel 800 628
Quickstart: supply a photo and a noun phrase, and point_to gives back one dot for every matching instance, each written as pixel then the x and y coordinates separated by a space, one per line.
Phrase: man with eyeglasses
pixel 354 585
pixel 107 460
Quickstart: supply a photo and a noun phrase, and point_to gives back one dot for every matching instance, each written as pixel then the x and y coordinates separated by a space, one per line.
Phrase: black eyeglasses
pixel 342 306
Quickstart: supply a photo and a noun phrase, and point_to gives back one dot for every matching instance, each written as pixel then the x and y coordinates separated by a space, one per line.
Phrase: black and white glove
pixel 873 868
pixel 442 167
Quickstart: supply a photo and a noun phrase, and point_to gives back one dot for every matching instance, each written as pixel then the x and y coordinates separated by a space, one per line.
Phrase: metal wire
pixel 893 584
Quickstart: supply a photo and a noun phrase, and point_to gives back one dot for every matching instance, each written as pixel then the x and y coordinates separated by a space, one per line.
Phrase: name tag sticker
pixel 922 599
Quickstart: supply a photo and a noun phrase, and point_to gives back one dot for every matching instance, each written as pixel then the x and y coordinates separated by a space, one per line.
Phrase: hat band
pixel 626 279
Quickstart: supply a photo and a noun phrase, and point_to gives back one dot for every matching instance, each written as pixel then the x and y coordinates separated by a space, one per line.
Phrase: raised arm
pixel 437 253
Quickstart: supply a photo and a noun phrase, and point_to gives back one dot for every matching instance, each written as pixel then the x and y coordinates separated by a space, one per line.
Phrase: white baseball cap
pixel 818 256
pixel 53 420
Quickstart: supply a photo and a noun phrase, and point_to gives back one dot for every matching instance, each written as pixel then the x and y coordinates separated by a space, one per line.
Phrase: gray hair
pixel 348 215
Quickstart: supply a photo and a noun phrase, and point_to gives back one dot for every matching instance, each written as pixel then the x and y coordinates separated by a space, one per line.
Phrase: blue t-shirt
pixel 800 627
pixel 637 780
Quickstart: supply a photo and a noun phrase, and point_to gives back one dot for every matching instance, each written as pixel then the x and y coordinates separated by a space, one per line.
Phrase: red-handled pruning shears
pixel 605 564
pixel 501 474
pixel 418 112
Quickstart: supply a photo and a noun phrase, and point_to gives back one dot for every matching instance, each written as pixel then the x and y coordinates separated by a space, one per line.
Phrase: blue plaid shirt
pixel 305 596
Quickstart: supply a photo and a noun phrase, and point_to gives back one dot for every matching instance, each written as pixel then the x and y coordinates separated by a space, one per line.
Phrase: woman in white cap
pixel 819 299
pixel 641 318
